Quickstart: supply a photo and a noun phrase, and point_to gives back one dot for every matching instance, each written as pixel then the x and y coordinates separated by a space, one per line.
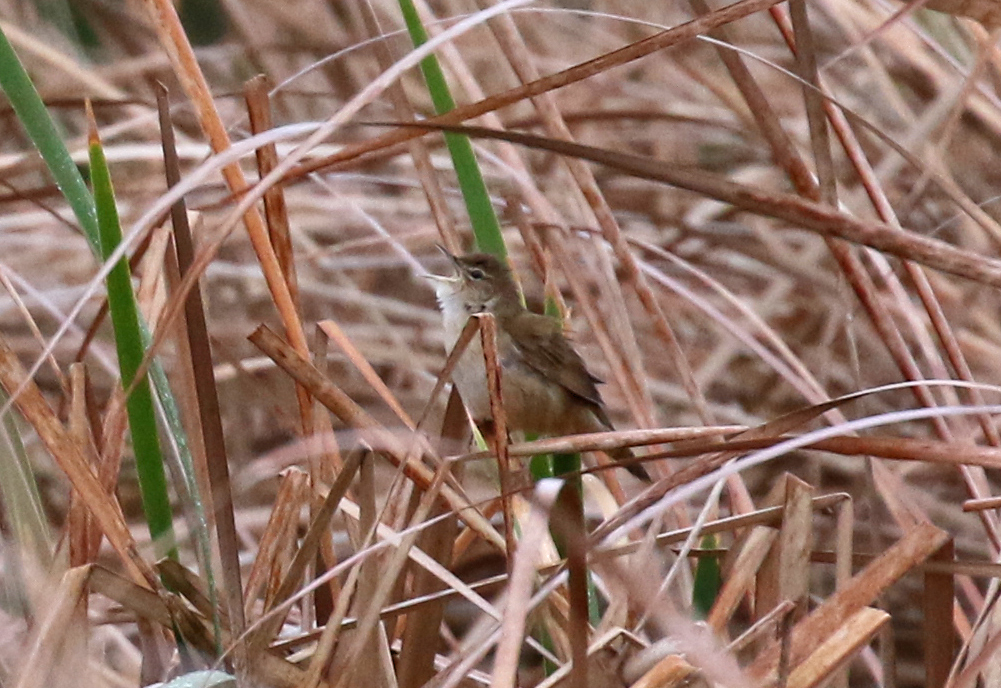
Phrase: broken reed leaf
pixel 839 648
pixel 863 589
pixel 785 573
pixel 274 544
pixel 307 550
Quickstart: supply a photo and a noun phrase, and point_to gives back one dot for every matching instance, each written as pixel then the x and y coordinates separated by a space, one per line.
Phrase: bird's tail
pixel 630 462
pixel 597 421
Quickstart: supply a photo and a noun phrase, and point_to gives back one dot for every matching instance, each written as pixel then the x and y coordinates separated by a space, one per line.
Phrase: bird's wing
pixel 545 349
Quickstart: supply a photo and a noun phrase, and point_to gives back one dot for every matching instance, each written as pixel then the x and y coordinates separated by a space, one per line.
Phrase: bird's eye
pixel 476 273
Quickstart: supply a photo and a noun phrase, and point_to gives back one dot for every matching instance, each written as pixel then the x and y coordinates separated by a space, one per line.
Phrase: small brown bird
pixel 545 386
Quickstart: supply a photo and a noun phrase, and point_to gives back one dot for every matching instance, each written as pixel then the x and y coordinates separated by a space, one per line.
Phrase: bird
pixel 546 387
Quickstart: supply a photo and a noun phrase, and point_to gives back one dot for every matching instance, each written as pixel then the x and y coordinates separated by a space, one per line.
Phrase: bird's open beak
pixel 446 279
pixel 450 278
pixel 443 279
pixel 450 255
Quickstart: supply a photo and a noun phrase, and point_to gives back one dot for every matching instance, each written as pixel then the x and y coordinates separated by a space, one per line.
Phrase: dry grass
pixel 750 245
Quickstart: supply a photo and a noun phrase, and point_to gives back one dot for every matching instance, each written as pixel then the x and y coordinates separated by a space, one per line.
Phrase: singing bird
pixel 545 386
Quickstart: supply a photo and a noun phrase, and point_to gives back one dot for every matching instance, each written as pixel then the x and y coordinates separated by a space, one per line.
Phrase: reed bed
pixel 770 228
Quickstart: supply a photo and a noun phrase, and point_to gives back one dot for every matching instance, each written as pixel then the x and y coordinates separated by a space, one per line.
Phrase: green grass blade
pixel 486 227
pixel 42 131
pixel 540 465
pixel 568 466
pixel 708 580
pixel 563 464
pixel 129 342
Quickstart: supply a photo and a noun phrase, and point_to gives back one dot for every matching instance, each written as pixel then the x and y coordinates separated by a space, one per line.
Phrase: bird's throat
pixel 454 312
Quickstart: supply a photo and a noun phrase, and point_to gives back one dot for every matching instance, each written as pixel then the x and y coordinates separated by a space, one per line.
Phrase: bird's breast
pixel 532 402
